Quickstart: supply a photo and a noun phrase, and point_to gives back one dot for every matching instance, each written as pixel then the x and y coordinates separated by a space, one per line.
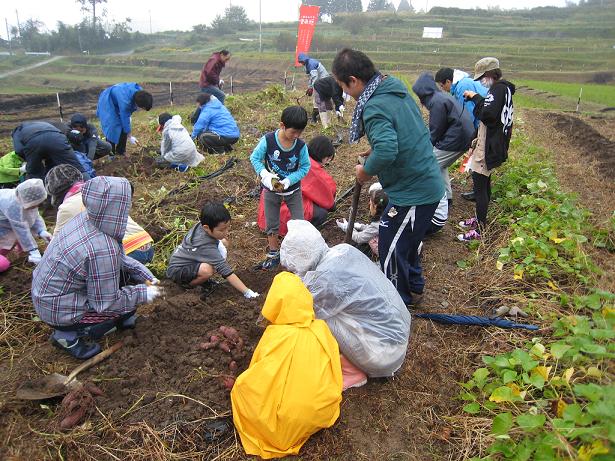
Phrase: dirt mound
pixel 162 358
pixel 587 141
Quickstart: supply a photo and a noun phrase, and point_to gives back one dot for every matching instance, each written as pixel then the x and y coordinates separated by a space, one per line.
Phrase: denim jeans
pixel 214 91
pixel 143 256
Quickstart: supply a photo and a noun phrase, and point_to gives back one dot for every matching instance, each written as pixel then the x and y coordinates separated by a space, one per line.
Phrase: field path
pixel 33 66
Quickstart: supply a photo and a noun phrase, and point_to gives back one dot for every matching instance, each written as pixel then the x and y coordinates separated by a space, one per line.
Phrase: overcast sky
pixel 183 14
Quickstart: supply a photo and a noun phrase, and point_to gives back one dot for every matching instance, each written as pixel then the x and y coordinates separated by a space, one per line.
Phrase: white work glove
pixel 35 257
pixel 285 182
pixel 222 249
pixel 250 294
pixel 45 236
pixel 155 281
pixel 153 292
pixel 220 83
pixel 133 140
pixel 22 168
pixel 340 112
pixel 342 224
pixel 266 178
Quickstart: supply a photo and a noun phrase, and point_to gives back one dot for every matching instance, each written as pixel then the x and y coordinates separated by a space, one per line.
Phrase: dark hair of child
pixel 380 199
pixel 225 52
pixel 203 98
pixel 320 148
pixel 214 213
pixel 353 63
pixel 164 118
pixel 295 117
pixel 444 74
pixel 144 100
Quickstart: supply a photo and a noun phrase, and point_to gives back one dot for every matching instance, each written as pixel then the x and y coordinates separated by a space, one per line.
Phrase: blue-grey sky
pixel 183 14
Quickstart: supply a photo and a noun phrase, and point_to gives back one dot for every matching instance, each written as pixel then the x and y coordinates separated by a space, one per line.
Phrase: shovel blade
pixel 45 388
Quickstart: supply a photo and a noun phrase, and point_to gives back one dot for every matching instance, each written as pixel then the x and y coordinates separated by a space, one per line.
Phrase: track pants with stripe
pixel 399 238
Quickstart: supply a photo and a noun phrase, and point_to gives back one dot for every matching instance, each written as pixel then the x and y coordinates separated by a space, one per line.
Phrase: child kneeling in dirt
pixel 367 234
pixel 203 253
pixel 177 149
pixel 281 160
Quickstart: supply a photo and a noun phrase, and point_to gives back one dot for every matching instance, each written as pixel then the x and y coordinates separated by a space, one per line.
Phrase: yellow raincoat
pixel 293 386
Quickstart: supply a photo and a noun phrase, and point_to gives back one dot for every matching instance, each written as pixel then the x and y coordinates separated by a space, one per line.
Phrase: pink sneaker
pixel 469 236
pixel 470 223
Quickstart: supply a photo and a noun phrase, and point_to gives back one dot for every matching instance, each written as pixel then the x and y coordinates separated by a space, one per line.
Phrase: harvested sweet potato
pixel 73 419
pixel 225 346
pixel 229 332
pixel 215 339
pixel 232 366
pixel 228 382
pixel 207 346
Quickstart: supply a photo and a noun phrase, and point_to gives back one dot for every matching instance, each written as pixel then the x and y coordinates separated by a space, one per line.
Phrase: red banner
pixel 308 17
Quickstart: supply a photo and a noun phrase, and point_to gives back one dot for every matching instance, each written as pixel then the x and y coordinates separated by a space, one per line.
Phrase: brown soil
pixel 161 389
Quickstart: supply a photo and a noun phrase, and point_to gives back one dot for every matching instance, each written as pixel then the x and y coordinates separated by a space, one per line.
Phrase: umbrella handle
pixel 93 361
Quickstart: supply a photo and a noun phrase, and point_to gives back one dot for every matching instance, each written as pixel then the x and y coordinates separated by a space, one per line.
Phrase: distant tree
pixel 380 5
pixel 405 7
pixel 345 6
pixel 220 25
pixel 32 36
pixel 90 6
pixel 356 23
pixel 236 17
pixel 200 29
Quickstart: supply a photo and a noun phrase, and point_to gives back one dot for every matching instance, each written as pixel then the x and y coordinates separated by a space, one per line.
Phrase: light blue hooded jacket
pixel 216 118
pixel 115 106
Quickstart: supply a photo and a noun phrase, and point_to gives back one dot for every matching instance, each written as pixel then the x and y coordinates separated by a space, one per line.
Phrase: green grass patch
pixel 599 94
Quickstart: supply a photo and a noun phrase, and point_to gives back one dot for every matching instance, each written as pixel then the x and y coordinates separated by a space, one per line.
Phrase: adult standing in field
pixel 456 82
pixel 43 146
pixel 401 155
pixel 331 97
pixel 115 107
pixel 315 71
pixel 495 112
pixel 210 81
pixel 450 127
pixel 215 129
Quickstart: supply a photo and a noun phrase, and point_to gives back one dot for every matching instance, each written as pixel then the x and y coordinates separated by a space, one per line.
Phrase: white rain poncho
pixel 177 146
pixel 362 308
pixel 19 217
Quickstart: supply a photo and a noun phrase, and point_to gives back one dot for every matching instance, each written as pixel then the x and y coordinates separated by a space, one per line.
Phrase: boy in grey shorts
pixel 281 160
pixel 202 253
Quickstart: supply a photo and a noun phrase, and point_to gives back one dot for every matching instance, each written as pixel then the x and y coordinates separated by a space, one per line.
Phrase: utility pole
pixel 150 21
pixel 8 36
pixel 260 27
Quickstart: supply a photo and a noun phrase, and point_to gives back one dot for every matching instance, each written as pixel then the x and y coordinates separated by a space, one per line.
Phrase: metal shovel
pixel 55 385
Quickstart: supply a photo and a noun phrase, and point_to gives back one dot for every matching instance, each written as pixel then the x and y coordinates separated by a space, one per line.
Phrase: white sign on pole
pixel 432 32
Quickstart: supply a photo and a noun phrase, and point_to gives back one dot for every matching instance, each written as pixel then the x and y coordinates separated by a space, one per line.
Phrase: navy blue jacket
pixel 450 126
pixel 43 146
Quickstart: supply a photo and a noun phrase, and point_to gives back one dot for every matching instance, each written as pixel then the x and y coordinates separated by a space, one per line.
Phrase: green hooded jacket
pixel 402 155
pixel 9 168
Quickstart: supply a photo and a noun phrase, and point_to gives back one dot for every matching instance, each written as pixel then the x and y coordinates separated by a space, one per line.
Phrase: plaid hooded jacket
pixel 80 270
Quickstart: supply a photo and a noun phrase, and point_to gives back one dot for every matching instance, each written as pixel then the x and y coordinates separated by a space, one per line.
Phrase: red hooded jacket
pixel 318 187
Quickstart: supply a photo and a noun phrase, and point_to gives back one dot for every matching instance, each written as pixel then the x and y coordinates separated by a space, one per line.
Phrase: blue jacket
pixel 313 67
pixel 450 126
pixel 115 106
pixel 216 118
pixel 461 83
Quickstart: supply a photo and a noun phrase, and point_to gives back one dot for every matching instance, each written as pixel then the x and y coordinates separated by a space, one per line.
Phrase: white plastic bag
pixel 362 308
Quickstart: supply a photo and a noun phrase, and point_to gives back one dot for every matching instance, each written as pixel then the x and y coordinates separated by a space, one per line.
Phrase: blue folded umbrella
pixel 451 319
